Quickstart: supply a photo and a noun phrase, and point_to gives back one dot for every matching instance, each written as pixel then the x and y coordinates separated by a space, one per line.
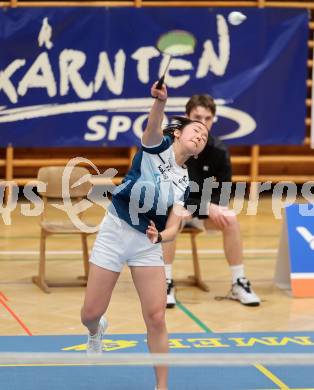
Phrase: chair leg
pixel 85 255
pixel 40 278
pixel 196 266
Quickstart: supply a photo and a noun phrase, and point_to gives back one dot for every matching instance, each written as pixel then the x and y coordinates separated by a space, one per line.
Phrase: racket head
pixel 176 43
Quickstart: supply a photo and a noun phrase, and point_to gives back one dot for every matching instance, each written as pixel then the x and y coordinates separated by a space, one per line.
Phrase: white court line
pixel 221 251
pixel 31 253
pixel 179 251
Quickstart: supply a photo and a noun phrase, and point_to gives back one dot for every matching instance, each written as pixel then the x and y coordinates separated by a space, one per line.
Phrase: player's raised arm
pixel 153 132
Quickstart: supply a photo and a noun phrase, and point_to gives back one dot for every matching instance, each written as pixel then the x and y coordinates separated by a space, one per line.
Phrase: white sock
pixel 168 270
pixel 237 271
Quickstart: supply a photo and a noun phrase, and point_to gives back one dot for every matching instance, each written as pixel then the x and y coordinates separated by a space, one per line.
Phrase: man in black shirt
pixel 209 204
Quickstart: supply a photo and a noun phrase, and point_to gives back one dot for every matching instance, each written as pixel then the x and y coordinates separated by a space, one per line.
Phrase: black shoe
pixel 171 299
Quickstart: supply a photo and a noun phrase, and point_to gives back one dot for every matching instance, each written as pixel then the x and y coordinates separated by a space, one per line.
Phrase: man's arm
pixel 218 210
pixel 153 132
pixel 223 174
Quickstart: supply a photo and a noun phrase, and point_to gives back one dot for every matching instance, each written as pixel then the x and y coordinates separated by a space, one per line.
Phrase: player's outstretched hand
pixel 160 94
pixel 152 232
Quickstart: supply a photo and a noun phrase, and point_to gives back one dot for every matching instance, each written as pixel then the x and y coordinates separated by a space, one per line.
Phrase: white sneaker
pixel 171 298
pixel 94 342
pixel 241 291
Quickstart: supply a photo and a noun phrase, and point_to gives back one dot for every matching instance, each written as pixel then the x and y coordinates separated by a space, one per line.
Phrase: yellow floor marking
pixel 272 377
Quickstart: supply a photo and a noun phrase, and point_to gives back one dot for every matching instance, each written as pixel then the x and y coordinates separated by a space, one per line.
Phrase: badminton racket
pixel 174 43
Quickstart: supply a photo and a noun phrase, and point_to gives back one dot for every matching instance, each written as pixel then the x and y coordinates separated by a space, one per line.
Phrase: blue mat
pixel 257 342
pixel 70 377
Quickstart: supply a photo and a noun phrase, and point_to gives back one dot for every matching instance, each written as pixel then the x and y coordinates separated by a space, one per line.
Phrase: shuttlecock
pixel 235 18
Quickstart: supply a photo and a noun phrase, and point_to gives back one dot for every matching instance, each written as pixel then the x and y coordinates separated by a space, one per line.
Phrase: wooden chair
pixel 196 279
pixel 52 176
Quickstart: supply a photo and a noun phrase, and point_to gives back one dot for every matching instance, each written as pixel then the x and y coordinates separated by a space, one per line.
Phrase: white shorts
pixel 118 243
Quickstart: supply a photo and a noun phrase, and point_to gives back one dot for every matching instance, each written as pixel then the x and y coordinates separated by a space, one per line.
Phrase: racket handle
pixel 160 82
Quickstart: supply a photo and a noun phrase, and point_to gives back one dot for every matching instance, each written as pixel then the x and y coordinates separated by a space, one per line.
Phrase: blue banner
pixel 82 76
pixel 301 239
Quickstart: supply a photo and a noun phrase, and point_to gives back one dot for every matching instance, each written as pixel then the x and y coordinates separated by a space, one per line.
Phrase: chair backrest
pixel 52 176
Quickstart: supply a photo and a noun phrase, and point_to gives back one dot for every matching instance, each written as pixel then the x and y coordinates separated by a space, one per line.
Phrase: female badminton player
pixel 146 209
